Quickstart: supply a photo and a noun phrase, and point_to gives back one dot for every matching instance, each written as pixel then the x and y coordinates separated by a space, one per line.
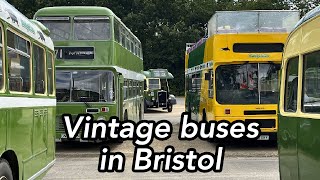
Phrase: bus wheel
pixel 145 107
pixel 125 116
pixel 169 107
pixel 5 170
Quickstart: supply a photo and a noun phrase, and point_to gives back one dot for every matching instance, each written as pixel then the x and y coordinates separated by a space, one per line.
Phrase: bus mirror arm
pixel 207 76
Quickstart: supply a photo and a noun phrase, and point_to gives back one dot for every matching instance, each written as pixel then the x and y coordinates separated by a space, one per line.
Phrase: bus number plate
pixel 264 137
pixel 64 136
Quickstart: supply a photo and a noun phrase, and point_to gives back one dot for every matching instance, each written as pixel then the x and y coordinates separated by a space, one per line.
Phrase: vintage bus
pixel 299 117
pixel 27 96
pixel 99 64
pixel 156 89
pixel 233 73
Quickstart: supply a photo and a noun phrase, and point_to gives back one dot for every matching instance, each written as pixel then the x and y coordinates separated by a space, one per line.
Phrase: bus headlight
pixel 101 118
pixel 153 98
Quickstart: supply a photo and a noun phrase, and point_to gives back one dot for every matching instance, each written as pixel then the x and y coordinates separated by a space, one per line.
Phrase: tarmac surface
pixel 258 161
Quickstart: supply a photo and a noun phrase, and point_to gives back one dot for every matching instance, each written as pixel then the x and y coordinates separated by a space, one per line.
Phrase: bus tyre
pixel 169 107
pixel 5 170
pixel 145 107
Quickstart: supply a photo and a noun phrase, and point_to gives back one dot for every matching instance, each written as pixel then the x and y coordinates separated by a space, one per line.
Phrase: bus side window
pixel 19 63
pixel 1 61
pixel 39 69
pixel 50 73
pixel 291 85
pixel 137 88
pixel 127 41
pixel 125 89
pixel 116 31
pixel 311 83
pixel 211 81
pixel 130 88
pixel 123 37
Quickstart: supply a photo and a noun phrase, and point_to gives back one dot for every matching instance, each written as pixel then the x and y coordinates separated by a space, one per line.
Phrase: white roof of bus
pixel 16 19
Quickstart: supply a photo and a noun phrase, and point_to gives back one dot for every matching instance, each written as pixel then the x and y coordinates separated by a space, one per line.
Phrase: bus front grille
pixel 264 123
pixel 162 98
pixel 59 123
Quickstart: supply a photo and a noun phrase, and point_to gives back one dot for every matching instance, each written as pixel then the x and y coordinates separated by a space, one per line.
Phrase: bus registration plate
pixel 64 136
pixel 264 137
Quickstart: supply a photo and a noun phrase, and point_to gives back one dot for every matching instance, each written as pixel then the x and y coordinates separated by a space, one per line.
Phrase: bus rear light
pixel 227 111
pixel 104 109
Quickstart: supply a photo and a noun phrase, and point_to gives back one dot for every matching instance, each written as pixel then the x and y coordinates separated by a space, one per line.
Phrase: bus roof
pixel 252 21
pixel 74 11
pixel 79 11
pixel 309 15
pixel 158 73
pixel 34 29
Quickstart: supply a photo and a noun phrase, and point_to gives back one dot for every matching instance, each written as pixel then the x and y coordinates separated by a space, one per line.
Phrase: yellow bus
pixel 299 119
pixel 233 74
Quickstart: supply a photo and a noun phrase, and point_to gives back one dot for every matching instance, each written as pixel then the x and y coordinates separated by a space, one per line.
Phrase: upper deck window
pixel 226 22
pixel 92 28
pixel 60 27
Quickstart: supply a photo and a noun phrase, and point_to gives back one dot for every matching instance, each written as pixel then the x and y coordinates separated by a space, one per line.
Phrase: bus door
pixel 209 95
pixel 120 96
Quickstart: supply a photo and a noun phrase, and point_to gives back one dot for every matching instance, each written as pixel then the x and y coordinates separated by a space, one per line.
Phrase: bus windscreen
pixel 85 86
pixel 247 84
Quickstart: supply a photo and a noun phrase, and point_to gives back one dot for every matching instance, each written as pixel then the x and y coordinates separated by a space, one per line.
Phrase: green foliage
pixel 165 26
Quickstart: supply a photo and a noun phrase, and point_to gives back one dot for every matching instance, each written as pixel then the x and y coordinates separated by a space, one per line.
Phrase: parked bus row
pixel 95 65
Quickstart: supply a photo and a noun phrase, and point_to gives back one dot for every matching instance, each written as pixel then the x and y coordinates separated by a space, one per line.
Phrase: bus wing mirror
pixel 278 67
pixel 207 76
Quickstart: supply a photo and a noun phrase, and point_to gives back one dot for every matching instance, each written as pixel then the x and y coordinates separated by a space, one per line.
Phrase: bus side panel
pixel 308 148
pixel 3 130
pixel 125 59
pixel 287 145
pixel 51 134
pixel 19 134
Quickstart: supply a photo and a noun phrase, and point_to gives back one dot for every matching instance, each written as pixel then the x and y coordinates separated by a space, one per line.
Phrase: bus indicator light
pixel 104 109
pixel 227 111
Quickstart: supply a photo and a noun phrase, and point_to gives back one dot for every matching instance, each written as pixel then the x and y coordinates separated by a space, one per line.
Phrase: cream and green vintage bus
pixel 156 89
pixel 27 96
pixel 299 117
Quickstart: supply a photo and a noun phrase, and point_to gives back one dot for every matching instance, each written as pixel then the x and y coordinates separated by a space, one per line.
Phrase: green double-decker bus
pixel 98 64
pixel 27 96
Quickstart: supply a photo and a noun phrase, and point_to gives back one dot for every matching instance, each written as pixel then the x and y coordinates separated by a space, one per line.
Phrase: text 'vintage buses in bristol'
pixel 299 117
pixel 27 96
pixel 98 62
pixel 233 74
